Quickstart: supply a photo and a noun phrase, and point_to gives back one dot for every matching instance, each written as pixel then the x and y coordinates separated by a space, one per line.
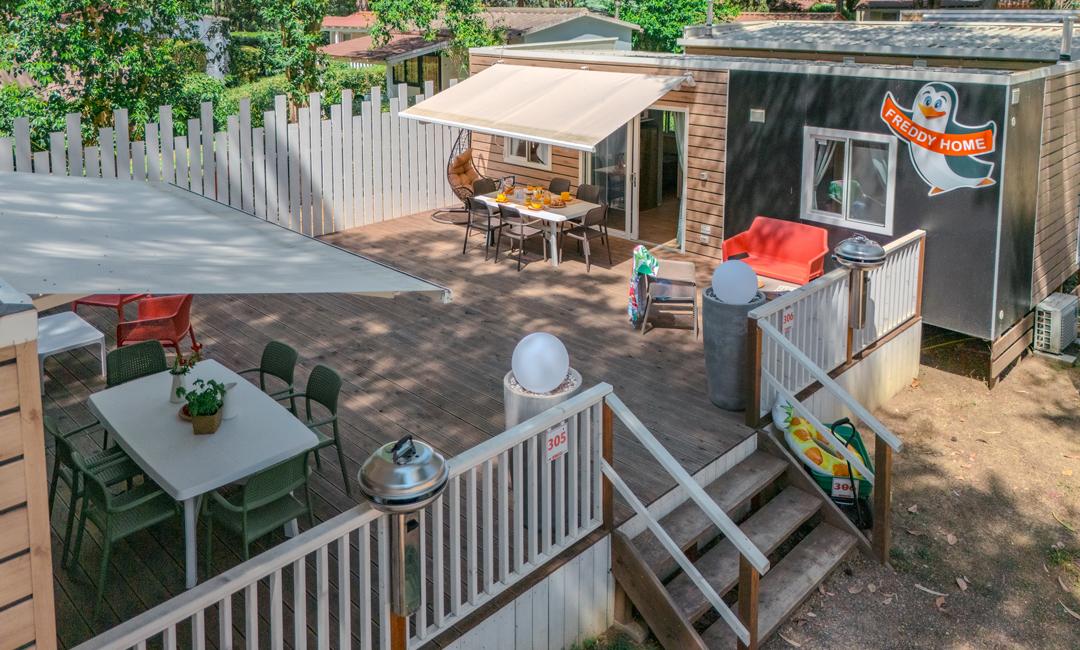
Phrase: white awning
pixel 63 235
pixel 570 108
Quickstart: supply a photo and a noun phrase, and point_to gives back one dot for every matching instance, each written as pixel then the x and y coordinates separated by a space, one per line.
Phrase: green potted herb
pixel 179 370
pixel 204 405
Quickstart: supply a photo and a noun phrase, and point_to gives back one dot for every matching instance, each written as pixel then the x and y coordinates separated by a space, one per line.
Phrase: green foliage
pixel 45 113
pixel 195 89
pixel 823 8
pixel 461 18
pixel 298 25
pixel 261 92
pixel 203 398
pixel 94 57
pixel 662 21
pixel 336 77
pixel 255 54
pixel 190 55
pixel 339 76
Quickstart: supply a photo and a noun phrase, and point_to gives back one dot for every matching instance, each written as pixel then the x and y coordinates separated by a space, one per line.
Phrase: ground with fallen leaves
pixel 986 514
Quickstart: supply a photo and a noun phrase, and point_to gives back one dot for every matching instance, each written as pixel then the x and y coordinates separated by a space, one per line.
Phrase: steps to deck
pixel 789 528
pixel 790 582
pixel 688 526
pixel 767 529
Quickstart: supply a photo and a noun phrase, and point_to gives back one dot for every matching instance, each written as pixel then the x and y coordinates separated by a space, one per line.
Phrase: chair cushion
pixel 461 172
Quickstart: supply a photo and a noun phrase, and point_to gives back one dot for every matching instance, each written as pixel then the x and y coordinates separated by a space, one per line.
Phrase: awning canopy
pixel 570 108
pixel 79 235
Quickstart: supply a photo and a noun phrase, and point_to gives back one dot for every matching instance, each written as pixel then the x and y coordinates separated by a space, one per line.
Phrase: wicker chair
pixel 518 229
pixel 461 173
pixel 588 193
pixel 481 219
pixel 559 185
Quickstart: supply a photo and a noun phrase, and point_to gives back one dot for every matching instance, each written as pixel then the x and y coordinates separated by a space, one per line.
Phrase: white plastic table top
pixel 147 426
pixel 65 331
pixel 573 210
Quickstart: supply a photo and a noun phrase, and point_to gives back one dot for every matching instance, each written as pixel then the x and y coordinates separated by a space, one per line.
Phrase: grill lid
pixel 859 252
pixel 403 476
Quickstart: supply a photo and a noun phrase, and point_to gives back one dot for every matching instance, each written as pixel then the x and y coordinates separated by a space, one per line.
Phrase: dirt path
pixel 986 492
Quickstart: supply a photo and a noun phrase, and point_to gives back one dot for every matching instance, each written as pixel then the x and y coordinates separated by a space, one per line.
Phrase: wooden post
pixel 399 632
pixel 27 615
pixel 882 500
pixel 607 449
pixel 753 402
pixel 748 601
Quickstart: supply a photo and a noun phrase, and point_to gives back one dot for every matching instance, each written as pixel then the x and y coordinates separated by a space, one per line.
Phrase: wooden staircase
pixel 782 512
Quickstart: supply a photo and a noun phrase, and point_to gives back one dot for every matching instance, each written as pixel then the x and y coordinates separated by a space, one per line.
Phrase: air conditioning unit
pixel 1055 323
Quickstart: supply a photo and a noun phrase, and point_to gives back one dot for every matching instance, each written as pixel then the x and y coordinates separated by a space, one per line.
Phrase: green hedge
pixel 255 54
pixel 823 8
pixel 336 77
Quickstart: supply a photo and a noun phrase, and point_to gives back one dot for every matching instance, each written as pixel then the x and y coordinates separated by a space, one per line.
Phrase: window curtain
pixel 679 122
pixel 823 155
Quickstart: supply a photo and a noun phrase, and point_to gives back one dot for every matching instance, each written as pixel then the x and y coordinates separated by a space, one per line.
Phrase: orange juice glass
pixel 565 196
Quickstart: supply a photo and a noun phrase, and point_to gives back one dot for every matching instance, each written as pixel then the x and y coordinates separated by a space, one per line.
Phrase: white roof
pixel 80 235
pixel 570 108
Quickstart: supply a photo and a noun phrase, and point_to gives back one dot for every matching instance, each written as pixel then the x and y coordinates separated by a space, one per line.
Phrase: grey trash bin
pixel 724 331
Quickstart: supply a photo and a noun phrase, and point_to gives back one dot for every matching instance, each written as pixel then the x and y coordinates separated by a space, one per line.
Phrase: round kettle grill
pixel 859 254
pixel 400 478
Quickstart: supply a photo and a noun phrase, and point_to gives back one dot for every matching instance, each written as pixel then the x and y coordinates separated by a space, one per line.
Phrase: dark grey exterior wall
pixel 764 171
pixel 1020 183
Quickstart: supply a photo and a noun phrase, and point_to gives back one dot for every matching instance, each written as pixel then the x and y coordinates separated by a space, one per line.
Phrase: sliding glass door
pixel 613 168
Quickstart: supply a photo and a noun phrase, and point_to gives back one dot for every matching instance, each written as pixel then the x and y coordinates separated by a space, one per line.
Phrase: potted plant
pixel 204 405
pixel 179 370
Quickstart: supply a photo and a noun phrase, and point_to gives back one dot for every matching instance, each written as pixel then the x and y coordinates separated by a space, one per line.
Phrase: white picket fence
pixel 315 175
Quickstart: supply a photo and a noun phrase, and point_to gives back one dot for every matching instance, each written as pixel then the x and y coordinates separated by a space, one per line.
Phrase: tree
pixel 299 25
pixel 463 19
pixel 662 21
pixel 91 57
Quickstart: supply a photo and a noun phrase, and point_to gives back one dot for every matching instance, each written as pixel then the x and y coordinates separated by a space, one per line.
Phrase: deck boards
pixel 409 365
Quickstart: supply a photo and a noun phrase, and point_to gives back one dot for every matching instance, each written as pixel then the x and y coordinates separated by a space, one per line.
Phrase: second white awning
pixel 570 108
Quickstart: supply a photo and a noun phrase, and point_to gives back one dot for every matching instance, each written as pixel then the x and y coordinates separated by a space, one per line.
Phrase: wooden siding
pixel 26 594
pixel 1059 183
pixel 706 103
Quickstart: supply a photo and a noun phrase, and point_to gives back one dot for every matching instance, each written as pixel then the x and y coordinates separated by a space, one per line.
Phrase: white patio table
pixel 552 217
pixel 147 426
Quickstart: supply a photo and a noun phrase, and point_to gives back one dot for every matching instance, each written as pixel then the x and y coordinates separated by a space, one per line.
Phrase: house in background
pixel 413 60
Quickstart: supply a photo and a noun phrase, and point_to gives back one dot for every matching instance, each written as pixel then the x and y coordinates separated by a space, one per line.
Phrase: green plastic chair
pixel 278 361
pixel 323 388
pixel 132 362
pixel 118 516
pixel 111 466
pixel 265 502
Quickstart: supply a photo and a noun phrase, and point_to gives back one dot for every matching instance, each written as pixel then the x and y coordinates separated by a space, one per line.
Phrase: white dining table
pixel 552 217
pixel 148 427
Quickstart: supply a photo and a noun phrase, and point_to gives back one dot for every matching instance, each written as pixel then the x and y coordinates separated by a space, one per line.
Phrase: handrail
pixel 684 562
pixel 841 447
pixel 799 293
pixel 718 517
pixel 193 601
pixel 830 384
pixel 522 431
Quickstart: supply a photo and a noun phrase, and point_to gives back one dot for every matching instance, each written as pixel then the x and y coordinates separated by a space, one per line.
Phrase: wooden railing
pixel 315 175
pixel 803 341
pixel 506 512
pixel 814 319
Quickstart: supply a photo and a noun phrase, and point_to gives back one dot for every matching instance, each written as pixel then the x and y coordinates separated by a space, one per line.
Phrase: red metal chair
pixel 784 250
pixel 114 300
pixel 166 319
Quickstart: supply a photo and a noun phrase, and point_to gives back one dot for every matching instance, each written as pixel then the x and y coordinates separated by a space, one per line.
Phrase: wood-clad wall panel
pixel 1059 184
pixel 706 104
pixel 26 582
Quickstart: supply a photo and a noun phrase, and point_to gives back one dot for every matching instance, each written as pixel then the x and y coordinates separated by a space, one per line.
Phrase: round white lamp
pixel 540 362
pixel 734 282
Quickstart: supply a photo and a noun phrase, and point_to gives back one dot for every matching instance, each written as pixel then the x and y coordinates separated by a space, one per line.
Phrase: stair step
pixel 767 529
pixel 789 583
pixel 687 524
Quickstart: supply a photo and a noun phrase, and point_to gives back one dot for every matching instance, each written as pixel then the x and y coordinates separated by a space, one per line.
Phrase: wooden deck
pixel 410 365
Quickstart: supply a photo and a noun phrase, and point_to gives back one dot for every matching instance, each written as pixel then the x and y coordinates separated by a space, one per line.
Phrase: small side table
pixel 66 331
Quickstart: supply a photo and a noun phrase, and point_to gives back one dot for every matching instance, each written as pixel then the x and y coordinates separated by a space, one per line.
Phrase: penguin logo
pixel 943 151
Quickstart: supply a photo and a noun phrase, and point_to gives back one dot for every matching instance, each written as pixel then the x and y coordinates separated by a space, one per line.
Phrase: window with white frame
pixel 527 152
pixel 849 179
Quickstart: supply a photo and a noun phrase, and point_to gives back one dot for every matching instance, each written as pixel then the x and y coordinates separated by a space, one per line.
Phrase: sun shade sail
pixel 81 235
pixel 566 108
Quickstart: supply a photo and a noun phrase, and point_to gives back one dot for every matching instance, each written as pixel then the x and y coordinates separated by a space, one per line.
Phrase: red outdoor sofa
pixel 783 250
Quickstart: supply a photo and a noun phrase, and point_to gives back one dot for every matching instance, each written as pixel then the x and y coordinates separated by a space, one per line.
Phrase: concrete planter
pixel 520 405
pixel 724 331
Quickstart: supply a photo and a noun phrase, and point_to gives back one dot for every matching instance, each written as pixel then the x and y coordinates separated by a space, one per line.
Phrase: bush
pixel 255 54
pixel 360 80
pixel 195 89
pixel 45 116
pixel 190 56
pixel 823 8
pixel 261 92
